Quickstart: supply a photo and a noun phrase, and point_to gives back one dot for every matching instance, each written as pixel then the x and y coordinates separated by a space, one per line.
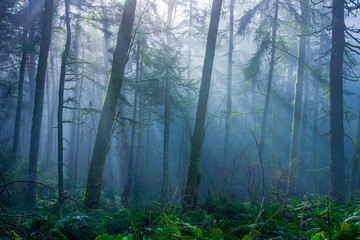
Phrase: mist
pixel 101 105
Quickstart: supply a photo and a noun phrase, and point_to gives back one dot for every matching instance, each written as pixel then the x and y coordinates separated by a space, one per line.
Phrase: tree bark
pixel 32 69
pixel 315 135
pixel 61 104
pixel 337 166
pixel 198 134
pixel 229 81
pixel 50 129
pixel 165 180
pixel 103 135
pixel 78 97
pixel 48 111
pixel 189 40
pixel 139 161
pixel 296 123
pixel 39 101
pixel 125 197
pixel 355 163
pixel 303 155
pixel 148 142
pixel 270 77
pixel 180 161
pixel 20 97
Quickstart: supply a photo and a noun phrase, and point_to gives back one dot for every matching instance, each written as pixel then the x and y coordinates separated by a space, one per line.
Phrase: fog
pixel 159 51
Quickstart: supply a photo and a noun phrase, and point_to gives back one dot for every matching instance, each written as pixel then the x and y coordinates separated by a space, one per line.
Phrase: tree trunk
pixel 180 161
pixel 106 36
pixel 75 113
pixel 61 104
pixel 296 125
pixel 165 180
pixel 315 134
pixel 139 162
pixel 32 69
pixel 125 197
pixel 148 142
pixel 303 155
pixel 337 166
pixel 189 41
pixel 106 57
pixel 51 113
pixel 228 94
pixel 78 94
pixel 103 135
pixel 290 83
pixel 198 134
pixel 355 163
pixel 275 149
pixel 20 97
pixel 39 101
pixel 270 77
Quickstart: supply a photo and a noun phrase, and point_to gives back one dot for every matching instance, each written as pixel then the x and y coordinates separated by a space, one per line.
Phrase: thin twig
pixel 258 216
pixel 261 162
pixel 328 214
pixel 50 188
pixel 7 191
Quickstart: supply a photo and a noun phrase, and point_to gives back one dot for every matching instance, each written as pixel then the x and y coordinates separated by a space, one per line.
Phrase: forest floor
pixel 216 217
pixel 308 218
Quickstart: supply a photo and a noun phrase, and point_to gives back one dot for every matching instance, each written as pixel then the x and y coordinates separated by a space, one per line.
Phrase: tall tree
pixel 298 98
pixel 61 103
pixel 75 128
pixel 103 135
pixel 229 80
pixel 39 100
pixel 198 134
pixel 125 197
pixel 303 154
pixel 355 162
pixel 337 166
pixel 27 20
pixel 270 77
pixel 20 95
pixel 315 134
pixel 189 40
pixel 165 179
pixel 51 115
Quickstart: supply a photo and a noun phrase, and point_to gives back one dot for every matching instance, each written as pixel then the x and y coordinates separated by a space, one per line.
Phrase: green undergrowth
pixel 295 219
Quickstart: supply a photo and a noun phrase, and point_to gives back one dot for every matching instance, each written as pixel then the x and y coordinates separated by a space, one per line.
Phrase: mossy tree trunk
pixel 39 101
pixel 198 134
pixel 298 96
pixel 302 180
pixel 103 135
